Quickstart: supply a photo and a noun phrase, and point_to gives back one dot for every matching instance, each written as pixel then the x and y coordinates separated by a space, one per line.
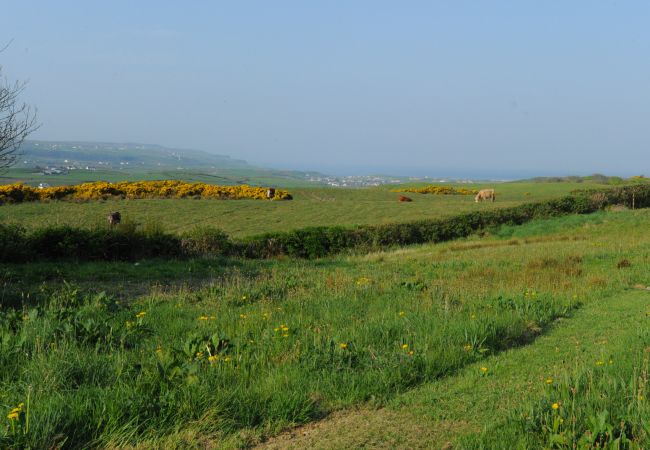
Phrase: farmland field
pixel 511 340
pixel 310 207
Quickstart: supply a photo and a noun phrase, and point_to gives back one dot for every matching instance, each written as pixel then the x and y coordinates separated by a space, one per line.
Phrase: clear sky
pixel 498 88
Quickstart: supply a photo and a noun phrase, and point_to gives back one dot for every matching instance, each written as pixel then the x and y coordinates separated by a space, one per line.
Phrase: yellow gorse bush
pixel 17 193
pixel 439 190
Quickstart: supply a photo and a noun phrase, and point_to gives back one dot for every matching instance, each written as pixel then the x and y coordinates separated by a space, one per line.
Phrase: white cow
pixel 485 194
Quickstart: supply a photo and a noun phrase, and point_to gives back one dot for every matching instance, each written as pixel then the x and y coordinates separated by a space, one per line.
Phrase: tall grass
pixel 259 350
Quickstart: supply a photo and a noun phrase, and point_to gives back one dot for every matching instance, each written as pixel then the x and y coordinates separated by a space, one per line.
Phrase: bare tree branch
pixel 17 121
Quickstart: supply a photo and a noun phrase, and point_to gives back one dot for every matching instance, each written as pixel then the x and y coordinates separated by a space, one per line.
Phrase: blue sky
pixel 494 88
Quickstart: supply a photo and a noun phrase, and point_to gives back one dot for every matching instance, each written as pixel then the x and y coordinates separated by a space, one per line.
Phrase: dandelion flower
pixel 141 314
pixel 343 345
pixel 212 358
pixel 467 347
pixel 484 369
pixel 410 353
pixel 549 381
pixel 402 313
pixel 600 363
pixel 555 406
pixel 405 346
pixel 203 318
pixel 13 415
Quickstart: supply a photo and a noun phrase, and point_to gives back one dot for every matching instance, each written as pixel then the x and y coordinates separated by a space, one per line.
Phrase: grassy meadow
pixel 310 207
pixel 528 337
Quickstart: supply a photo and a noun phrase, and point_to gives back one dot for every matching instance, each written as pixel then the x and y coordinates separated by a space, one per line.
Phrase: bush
pixel 204 241
pixel 18 193
pixel 438 190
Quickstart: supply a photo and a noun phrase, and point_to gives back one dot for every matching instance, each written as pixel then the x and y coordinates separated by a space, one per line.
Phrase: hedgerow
pixel 18 193
pixel 128 243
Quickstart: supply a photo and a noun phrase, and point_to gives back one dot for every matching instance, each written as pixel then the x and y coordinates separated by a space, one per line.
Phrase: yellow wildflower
pixel 555 406
pixel 212 358
pixel 402 313
pixel 549 381
pixel 343 345
pixel 13 415
pixel 141 314
pixel 405 346
pixel 484 369
pixel 600 363
pixel 467 347
pixel 203 318
pixel 199 354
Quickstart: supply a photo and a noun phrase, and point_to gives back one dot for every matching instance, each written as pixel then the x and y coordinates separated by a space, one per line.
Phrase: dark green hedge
pixel 127 243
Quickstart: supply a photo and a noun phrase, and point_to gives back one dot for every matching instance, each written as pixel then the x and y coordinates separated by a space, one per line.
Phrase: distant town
pixel 375 180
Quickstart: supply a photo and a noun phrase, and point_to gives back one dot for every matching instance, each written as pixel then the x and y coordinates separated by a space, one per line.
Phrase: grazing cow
pixel 485 194
pixel 403 198
pixel 114 218
pixel 270 193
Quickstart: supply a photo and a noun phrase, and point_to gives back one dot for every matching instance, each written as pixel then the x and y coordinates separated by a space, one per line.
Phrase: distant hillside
pixel 109 155
pixel 70 162
pixel 595 178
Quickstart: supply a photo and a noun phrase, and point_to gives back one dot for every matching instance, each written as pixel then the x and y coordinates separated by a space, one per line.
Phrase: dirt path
pixel 435 415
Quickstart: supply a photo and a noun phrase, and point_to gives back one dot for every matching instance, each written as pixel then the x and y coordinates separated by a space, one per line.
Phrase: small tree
pixel 17 121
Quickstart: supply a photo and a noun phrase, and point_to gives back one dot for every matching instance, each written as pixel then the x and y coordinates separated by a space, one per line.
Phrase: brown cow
pixel 114 218
pixel 485 194
pixel 403 198
pixel 270 193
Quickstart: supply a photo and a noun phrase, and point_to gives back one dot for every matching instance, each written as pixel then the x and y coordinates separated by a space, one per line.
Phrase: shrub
pixel 439 190
pixel 203 241
pixel 18 193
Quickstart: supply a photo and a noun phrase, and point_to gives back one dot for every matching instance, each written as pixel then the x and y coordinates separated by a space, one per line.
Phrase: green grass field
pixel 428 346
pixel 310 207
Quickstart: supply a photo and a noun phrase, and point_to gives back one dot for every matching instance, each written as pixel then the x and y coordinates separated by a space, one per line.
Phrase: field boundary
pixel 128 243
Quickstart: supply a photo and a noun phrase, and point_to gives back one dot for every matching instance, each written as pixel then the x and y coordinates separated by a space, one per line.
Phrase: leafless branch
pixel 17 121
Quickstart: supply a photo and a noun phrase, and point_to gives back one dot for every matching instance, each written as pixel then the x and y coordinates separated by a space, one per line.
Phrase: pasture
pixel 310 207
pixel 511 340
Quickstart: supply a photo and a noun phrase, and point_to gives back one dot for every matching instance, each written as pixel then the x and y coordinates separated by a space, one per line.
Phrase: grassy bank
pixel 310 207
pixel 128 242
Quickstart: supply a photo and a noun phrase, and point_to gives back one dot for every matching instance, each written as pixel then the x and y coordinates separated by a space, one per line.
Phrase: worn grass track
pixel 445 413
